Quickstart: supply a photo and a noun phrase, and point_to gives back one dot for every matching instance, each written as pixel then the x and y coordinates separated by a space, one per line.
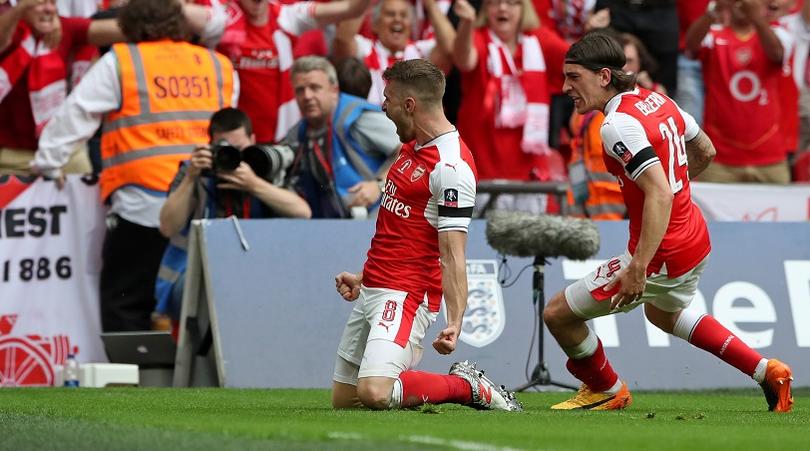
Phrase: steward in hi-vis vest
pixel 169 91
pixel 153 98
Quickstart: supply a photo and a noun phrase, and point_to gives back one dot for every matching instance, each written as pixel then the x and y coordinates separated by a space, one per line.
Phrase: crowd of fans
pixel 306 77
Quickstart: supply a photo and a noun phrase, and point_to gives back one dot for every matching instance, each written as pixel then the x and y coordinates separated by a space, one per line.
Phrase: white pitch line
pixel 428 440
pixel 451 443
pixel 345 436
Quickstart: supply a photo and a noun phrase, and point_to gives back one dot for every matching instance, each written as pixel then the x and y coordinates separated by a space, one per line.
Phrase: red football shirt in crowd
pixel 742 91
pixel 18 130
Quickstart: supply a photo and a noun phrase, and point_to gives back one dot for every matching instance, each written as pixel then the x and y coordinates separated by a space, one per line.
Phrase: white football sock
pixel 585 349
pixel 615 388
pixel 396 395
pixel 759 372
pixel 686 323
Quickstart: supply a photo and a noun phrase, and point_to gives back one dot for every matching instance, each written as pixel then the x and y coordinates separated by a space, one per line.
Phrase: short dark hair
pixel 598 50
pixel 421 78
pixel 153 20
pixel 354 77
pixel 227 120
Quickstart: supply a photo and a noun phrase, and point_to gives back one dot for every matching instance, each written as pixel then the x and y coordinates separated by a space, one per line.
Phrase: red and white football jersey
pixel 641 129
pixel 378 58
pixel 262 56
pixel 429 189
pixel 742 90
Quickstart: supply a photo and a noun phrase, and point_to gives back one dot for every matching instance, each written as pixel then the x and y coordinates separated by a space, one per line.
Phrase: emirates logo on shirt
pixel 389 201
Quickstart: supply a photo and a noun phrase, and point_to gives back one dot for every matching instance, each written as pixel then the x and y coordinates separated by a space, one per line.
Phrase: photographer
pixel 344 145
pixel 217 182
pixel 232 192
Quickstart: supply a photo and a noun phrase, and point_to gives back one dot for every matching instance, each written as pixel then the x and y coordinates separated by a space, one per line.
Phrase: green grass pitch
pixel 201 419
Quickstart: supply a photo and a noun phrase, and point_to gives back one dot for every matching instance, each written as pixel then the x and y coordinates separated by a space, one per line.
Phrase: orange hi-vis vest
pixel 605 201
pixel 169 90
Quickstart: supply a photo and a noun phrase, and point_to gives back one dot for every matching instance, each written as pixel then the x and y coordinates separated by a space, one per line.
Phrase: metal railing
pixel 496 187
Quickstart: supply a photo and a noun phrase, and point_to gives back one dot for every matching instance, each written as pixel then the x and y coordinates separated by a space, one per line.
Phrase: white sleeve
pixel 215 27
pixel 298 18
pixel 626 141
pixel 78 118
pixel 452 186
pixel 364 45
pixel 691 128
pixel 787 39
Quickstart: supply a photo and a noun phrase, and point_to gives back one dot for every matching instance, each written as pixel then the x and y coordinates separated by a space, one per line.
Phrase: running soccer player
pixel 653 147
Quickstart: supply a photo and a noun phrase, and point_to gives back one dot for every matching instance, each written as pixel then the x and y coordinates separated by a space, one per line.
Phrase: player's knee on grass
pixel 375 392
pixel 344 396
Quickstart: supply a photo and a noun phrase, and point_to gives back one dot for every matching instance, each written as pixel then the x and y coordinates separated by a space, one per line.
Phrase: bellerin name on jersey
pixel 651 104
pixel 392 204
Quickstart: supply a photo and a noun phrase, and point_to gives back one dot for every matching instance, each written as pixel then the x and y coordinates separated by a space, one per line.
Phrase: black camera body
pixel 268 161
pixel 226 158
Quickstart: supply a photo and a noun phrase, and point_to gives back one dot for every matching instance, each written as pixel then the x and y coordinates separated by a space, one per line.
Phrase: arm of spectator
pixel 598 19
pixel 10 19
pixel 104 32
pixel 699 152
pixel 465 56
pixel 335 11
pixel 207 22
pixel 699 29
pixel 177 210
pixel 454 287
pixel 443 30
pixel 767 36
pixel 345 44
pixel 554 49
pixel 78 118
pixel 284 202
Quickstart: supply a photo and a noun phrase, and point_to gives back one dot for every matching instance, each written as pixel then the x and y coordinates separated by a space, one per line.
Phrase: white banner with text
pixel 50 263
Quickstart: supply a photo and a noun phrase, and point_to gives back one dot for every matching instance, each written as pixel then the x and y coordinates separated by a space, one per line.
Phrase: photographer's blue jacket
pixel 350 163
pixel 170 278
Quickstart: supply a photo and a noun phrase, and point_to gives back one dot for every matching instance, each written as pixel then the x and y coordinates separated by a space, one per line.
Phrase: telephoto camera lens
pixel 269 161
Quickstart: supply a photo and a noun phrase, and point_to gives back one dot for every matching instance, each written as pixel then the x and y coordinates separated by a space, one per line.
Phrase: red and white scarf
pixel 378 58
pixel 519 98
pixel 47 77
pixel 570 16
